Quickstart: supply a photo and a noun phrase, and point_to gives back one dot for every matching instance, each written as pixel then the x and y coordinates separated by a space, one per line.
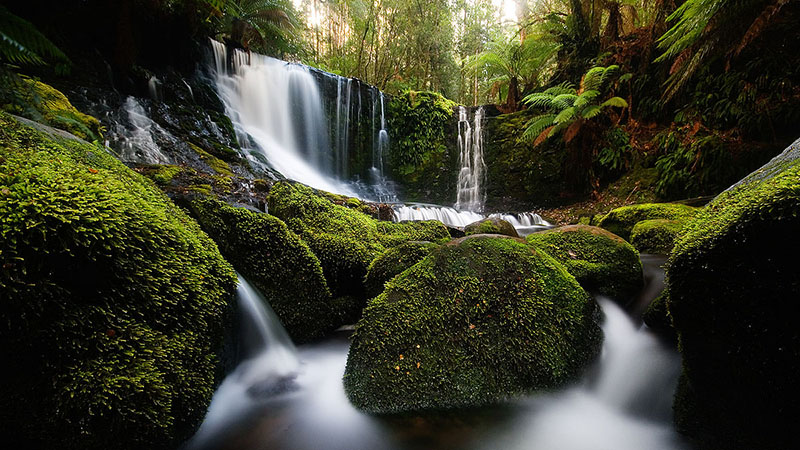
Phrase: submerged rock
pixel 491 225
pixel 656 236
pixel 114 306
pixel 480 319
pixel 263 249
pixel 733 297
pixel 601 261
pixel 621 221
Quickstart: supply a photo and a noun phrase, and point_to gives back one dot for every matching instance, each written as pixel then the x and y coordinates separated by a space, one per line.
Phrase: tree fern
pixel 22 44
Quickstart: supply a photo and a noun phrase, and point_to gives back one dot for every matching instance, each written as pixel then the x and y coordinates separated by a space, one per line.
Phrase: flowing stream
pixel 279 398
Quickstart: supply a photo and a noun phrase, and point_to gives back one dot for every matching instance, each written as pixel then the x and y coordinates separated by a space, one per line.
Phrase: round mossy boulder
pixel 393 262
pixel 602 262
pixel 276 261
pixel 656 317
pixel 114 302
pixel 621 221
pixel 479 320
pixel 491 225
pixel 656 236
pixel 734 287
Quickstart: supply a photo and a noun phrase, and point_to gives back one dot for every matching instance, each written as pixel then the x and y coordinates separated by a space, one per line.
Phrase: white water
pixel 626 407
pixel 469 195
pixel 277 112
pixel 525 223
pixel 135 135
pixel 269 363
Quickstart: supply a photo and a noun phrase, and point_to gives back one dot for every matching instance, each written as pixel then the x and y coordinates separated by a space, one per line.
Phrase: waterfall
pixel 470 147
pixel 276 109
pixel 135 135
pixel 268 367
pixel 525 223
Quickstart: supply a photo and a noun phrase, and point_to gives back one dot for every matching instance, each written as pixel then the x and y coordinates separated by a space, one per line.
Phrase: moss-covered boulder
pixel 393 262
pixel 276 261
pixel 602 262
pixel 48 104
pixel 480 319
pixel 344 239
pixel 734 287
pixel 114 302
pixel 656 236
pixel 621 221
pixel 423 145
pixel 656 317
pixel 491 225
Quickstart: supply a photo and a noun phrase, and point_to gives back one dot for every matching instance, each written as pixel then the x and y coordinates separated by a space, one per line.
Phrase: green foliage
pixel 394 261
pixel 732 283
pixel 615 157
pixel 21 44
pixel 420 124
pixel 392 234
pixel 274 260
pixel 477 321
pixel 602 262
pixel 267 26
pixel 656 235
pixel 114 301
pixel 621 221
pixel 565 107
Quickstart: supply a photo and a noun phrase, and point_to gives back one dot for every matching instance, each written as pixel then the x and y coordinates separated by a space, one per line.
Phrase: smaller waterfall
pixel 383 188
pixel 525 223
pixel 269 364
pixel 135 135
pixel 470 147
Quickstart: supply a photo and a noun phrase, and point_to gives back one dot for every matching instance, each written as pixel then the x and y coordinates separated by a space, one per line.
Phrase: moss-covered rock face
pixel 481 319
pixel 656 235
pixel 733 288
pixel 274 259
pixel 491 225
pixel 601 261
pixel 423 152
pixel 114 302
pixel 621 221
pixel 52 106
pixel 344 239
pixel 393 262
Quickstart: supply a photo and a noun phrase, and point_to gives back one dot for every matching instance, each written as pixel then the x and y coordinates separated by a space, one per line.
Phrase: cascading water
pixel 269 364
pixel 135 135
pixel 277 111
pixel 470 176
pixel 383 188
pixel 525 223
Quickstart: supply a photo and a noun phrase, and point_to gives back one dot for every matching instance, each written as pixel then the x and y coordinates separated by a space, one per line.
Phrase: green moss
pixel 274 260
pixel 656 317
pixel 420 124
pixel 479 320
pixel 601 262
pixel 161 174
pixel 733 288
pixel 491 225
pixel 204 189
pixel 656 235
pixel 394 233
pixel 218 165
pixel 393 262
pixel 56 110
pixel 114 301
pixel 621 221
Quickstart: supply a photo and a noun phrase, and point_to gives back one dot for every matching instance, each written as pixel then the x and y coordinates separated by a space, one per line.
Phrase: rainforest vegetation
pixel 133 196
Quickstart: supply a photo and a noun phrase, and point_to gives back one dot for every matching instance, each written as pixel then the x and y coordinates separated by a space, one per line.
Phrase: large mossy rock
pixel 656 236
pixel 734 287
pixel 393 262
pixel 114 302
pixel 481 319
pixel 276 261
pixel 602 262
pixel 621 221
pixel 345 240
pixel 491 225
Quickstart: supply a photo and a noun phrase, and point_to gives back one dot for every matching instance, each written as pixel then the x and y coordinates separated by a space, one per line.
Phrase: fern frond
pixel 538 100
pixel 564 100
pixel 536 126
pixel 565 115
pixel 21 43
pixel 591 111
pixel 586 98
pixel 617 102
pixel 563 88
